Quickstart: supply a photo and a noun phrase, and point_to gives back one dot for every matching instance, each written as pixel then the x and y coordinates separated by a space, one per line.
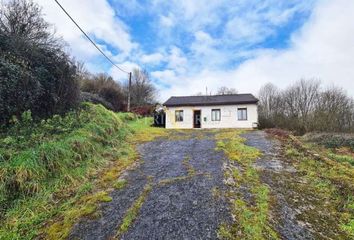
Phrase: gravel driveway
pixel 182 204
pixel 186 197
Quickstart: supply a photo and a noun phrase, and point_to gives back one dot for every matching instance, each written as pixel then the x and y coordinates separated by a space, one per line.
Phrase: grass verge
pixel 56 171
pixel 327 173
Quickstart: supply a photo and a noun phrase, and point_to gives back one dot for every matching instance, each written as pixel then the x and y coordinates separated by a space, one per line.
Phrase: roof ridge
pixel 211 99
pixel 234 94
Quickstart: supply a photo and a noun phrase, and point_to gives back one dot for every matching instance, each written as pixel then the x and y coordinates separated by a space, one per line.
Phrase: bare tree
pixel 142 90
pixel 269 105
pixel 300 100
pixel 226 91
pixel 23 21
pixel 303 107
pixel 334 110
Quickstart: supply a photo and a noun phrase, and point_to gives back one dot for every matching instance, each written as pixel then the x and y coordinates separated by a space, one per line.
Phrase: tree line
pixel 102 88
pixel 37 74
pixel 305 106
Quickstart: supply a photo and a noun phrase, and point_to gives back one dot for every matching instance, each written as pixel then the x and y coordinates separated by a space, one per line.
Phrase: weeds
pixel 87 206
pixel 120 184
pixel 133 211
pixel 188 166
pixel 143 132
pixel 250 214
pixel 329 175
pixel 342 158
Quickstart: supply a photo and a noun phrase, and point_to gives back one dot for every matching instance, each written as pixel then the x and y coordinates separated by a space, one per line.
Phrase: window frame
pixel 212 116
pixel 180 117
pixel 242 117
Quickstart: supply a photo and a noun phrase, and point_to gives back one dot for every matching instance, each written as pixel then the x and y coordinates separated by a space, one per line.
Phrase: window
pixel 179 115
pixel 215 115
pixel 242 113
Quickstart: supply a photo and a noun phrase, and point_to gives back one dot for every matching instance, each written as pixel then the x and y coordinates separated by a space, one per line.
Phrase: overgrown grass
pixel 342 158
pixel 120 184
pixel 56 169
pixel 329 174
pixel 143 132
pixel 250 212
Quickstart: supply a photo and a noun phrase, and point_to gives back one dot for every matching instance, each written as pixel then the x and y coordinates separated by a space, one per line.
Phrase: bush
pixel 35 73
pixel 305 107
pixel 332 140
pixel 278 132
pixel 106 88
pixel 96 99
pixel 146 110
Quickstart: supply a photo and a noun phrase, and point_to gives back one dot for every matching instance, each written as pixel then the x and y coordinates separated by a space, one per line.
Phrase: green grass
pixel 120 184
pixel 342 158
pixel 143 132
pixel 133 211
pixel 56 171
pixel 251 215
pixel 329 175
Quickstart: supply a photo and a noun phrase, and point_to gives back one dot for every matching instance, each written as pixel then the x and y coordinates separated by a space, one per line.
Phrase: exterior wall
pixel 228 116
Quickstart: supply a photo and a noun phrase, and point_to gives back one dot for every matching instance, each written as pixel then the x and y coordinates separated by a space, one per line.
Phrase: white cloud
pixel 167 21
pixel 197 40
pixel 244 30
pixel 154 58
pixel 176 59
pixel 96 18
pixel 122 76
pixel 191 15
pixel 323 48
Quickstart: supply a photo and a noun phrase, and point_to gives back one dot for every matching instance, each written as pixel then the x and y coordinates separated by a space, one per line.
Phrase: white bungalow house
pixel 217 111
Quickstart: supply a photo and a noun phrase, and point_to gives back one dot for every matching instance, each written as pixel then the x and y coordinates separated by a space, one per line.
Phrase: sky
pixel 190 45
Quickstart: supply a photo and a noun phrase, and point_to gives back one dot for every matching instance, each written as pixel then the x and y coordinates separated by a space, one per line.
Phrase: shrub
pixel 145 110
pixel 35 73
pixel 96 99
pixel 105 88
pixel 278 132
pixel 332 140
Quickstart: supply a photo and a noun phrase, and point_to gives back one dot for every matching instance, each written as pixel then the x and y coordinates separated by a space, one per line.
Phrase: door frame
pixel 200 118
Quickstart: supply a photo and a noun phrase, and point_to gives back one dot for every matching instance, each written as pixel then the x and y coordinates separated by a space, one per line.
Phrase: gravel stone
pixel 183 208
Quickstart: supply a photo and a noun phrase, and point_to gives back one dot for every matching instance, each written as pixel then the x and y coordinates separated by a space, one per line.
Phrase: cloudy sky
pixel 190 45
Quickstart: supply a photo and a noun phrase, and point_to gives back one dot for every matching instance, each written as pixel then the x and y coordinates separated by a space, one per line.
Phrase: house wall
pixel 228 116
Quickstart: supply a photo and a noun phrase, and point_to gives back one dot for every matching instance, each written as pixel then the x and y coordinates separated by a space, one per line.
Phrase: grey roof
pixel 212 100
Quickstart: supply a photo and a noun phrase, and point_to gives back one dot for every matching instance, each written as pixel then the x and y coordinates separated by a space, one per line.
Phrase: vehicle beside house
pixel 214 111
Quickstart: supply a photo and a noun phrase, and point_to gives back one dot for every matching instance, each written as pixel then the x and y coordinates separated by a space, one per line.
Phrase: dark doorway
pixel 196 119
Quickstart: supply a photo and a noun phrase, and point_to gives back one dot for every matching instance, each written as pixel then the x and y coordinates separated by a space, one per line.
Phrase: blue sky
pixel 190 45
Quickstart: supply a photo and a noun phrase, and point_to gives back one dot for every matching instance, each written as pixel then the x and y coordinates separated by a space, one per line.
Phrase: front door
pixel 196 119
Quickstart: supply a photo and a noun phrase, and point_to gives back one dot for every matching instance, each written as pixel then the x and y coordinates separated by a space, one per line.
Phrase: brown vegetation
pixel 305 107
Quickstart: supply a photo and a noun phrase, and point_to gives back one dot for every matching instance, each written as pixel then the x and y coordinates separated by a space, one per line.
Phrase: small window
pixel 179 115
pixel 242 114
pixel 215 115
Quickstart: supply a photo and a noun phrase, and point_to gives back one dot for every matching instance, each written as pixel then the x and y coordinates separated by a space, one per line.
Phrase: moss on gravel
pixel 133 211
pixel 251 213
pixel 324 181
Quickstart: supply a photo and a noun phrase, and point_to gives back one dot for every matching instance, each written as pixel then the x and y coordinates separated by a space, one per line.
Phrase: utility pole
pixel 129 88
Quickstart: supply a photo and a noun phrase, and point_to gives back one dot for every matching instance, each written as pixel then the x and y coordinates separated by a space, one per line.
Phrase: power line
pixel 94 44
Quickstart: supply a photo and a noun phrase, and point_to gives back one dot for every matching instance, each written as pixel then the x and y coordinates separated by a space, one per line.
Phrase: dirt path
pixel 183 175
pixel 298 211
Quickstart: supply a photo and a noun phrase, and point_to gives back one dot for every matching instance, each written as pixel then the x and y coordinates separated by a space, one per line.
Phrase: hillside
pixel 56 168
